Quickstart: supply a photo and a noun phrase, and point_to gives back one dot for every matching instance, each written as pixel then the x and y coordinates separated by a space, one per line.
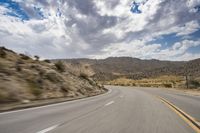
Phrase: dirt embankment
pixel 24 80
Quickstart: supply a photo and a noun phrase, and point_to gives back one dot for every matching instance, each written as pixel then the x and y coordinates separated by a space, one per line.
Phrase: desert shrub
pixel 83 75
pixel 39 81
pixel 20 62
pixel 47 61
pixel 146 85
pixel 133 84
pixel 41 72
pixel 2 53
pixel 24 57
pixel 17 65
pixel 53 77
pixel 92 82
pixel 8 97
pixel 65 88
pixel 60 66
pixel 18 68
pixel 33 66
pixel 3 97
pixel 167 85
pixel 2 66
pixel 194 84
pixel 35 89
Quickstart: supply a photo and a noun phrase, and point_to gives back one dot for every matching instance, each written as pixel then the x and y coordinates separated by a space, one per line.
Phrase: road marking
pixel 109 103
pixel 48 129
pixel 187 118
pixel 55 104
pixel 121 96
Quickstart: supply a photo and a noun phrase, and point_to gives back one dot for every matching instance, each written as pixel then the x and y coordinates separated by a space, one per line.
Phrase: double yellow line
pixel 187 118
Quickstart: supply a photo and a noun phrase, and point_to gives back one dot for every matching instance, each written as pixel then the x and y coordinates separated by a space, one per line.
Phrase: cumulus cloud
pixel 100 28
pixel 139 49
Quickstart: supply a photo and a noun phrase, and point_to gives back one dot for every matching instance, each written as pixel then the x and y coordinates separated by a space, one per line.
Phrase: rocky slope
pixel 24 79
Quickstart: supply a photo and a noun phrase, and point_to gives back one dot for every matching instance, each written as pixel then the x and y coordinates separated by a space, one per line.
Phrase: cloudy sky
pixel 146 29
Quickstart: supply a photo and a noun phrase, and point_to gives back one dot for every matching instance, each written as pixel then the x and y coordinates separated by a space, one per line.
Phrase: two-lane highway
pixel 122 110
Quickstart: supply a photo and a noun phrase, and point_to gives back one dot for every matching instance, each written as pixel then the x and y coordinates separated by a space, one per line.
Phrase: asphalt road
pixel 188 103
pixel 121 110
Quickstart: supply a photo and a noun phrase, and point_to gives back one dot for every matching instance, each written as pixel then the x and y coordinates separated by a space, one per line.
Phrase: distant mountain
pixel 134 68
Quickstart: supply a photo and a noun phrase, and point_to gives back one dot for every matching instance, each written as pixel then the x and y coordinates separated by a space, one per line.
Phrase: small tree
pixel 2 53
pixel 36 58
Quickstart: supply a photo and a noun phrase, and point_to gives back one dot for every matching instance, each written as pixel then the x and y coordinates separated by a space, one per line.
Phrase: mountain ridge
pixel 135 68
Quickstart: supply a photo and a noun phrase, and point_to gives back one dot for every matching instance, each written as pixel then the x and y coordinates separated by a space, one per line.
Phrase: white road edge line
pixel 109 103
pixel 48 129
pixel 55 104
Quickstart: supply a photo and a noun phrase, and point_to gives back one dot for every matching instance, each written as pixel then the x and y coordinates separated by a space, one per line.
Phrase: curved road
pixel 121 110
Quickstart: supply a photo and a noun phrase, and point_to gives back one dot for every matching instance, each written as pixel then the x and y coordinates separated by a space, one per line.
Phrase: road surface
pixel 121 110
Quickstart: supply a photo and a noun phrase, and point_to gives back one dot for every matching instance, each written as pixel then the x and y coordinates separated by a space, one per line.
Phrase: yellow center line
pixel 187 118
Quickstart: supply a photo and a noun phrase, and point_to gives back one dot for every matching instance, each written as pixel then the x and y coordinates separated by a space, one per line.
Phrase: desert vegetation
pixel 162 81
pixel 129 71
pixel 23 78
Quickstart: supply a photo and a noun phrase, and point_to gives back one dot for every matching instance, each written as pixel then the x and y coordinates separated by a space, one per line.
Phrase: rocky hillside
pixel 133 68
pixel 24 79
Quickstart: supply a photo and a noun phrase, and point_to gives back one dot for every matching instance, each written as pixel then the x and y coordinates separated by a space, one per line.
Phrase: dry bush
pixel 47 61
pixel 60 66
pixel 83 75
pixel 24 57
pixel 194 84
pixel 35 89
pixel 2 53
pixel 53 77
pixel 167 85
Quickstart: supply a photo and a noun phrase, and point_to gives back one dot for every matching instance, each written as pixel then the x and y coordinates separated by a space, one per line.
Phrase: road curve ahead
pixel 121 110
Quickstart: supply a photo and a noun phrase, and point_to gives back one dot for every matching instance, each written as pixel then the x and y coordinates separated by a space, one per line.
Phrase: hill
pixel 25 79
pixel 114 68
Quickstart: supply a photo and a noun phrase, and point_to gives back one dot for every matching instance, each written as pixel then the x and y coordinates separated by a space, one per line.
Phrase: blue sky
pixel 14 9
pixel 146 29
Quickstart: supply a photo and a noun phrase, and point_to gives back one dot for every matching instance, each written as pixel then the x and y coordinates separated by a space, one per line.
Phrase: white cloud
pixel 139 49
pixel 100 28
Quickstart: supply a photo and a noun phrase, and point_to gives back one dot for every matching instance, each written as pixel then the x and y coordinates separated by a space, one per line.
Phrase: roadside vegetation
pixel 162 81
